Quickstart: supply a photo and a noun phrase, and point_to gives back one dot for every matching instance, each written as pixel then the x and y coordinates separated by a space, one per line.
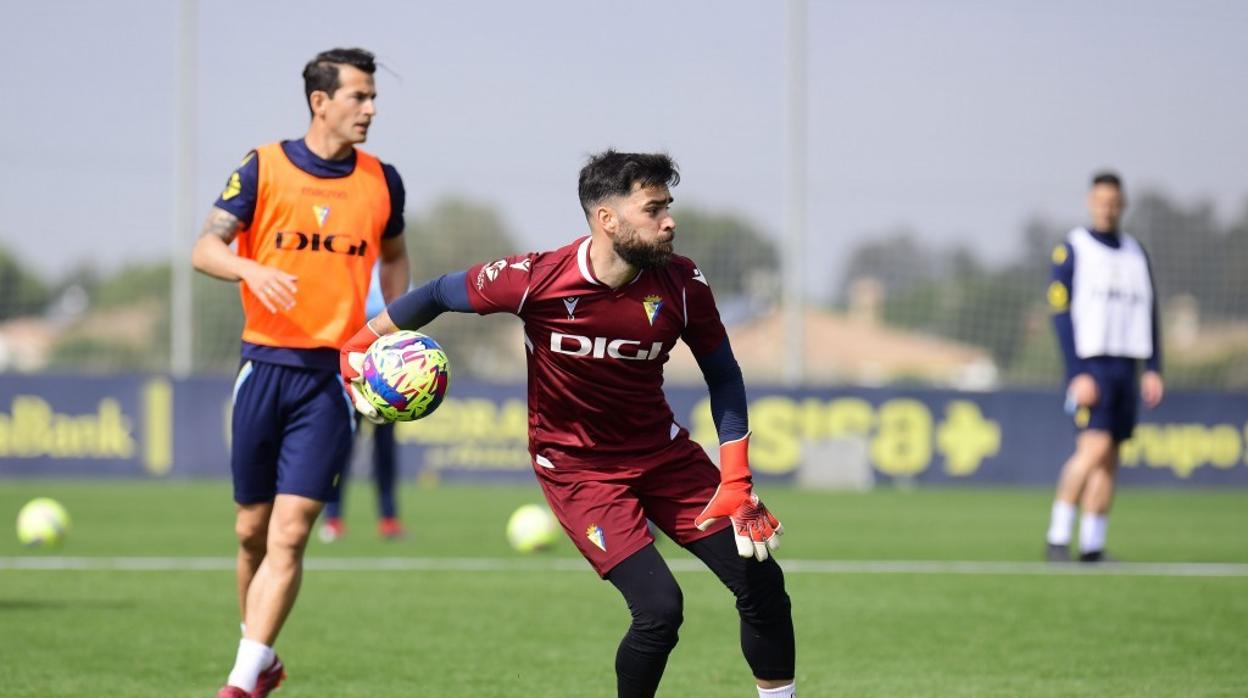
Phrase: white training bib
pixel 1111 303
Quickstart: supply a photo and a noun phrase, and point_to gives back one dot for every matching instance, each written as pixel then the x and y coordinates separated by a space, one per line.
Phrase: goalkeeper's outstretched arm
pixel 418 307
pixel 411 311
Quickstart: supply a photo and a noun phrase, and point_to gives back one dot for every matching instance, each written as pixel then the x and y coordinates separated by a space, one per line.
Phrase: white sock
pixel 789 691
pixel 1061 521
pixel 252 659
pixel 1092 530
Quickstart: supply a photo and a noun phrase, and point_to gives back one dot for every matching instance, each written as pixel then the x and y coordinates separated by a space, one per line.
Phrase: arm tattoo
pixel 222 224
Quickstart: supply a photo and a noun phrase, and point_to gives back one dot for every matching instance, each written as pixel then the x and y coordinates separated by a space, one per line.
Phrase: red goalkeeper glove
pixel 350 363
pixel 755 529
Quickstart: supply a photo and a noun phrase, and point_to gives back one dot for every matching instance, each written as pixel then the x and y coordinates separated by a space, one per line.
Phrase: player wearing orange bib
pixel 309 218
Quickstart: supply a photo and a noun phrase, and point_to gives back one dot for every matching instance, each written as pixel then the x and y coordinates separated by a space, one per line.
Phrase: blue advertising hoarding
pixel 158 427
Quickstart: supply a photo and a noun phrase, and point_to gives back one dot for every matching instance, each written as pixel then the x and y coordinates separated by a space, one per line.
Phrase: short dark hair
pixel 610 174
pixel 321 73
pixel 1108 178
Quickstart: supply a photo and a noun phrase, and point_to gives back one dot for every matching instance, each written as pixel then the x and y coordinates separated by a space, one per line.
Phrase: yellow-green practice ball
pixel 42 523
pixel 532 527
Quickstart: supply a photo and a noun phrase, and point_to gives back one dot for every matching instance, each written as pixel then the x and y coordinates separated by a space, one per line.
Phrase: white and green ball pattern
pixel 405 376
pixel 42 523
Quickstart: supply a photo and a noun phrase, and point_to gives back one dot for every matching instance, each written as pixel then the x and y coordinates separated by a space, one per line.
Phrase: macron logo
pixel 570 304
pixel 697 276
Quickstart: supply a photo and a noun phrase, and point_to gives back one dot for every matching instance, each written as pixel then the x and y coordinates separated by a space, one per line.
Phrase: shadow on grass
pixel 66 604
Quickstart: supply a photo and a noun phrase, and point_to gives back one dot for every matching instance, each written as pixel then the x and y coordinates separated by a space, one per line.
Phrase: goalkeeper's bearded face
pixel 645 228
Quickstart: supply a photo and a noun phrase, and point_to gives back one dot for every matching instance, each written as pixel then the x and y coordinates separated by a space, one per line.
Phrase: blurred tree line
pixel 949 291
pixel 119 321
pixel 23 292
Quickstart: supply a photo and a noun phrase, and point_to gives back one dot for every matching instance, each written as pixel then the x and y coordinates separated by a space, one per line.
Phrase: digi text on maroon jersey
pixel 595 354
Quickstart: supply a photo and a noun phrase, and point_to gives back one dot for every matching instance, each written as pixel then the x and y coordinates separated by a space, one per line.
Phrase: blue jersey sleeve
pixel 727 390
pixel 239 195
pixel 375 303
pixel 398 199
pixel 1059 294
pixel 1153 363
pixel 419 307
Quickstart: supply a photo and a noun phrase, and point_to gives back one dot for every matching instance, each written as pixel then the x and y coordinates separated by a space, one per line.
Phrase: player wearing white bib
pixel 1105 316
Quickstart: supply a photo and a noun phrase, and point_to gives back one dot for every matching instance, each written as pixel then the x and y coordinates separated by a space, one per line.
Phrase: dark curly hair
pixel 610 174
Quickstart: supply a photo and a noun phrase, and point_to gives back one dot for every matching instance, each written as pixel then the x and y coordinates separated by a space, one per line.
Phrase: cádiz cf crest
pixel 321 213
pixel 652 304
pixel 596 536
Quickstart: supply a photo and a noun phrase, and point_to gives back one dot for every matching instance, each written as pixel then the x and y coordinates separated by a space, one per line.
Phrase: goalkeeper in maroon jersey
pixel 601 315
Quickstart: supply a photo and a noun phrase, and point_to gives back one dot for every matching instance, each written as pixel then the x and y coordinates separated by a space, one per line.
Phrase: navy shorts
pixel 1117 410
pixel 291 432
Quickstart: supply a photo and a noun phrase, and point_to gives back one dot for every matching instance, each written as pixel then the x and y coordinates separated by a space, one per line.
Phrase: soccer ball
pixel 532 527
pixel 405 376
pixel 42 523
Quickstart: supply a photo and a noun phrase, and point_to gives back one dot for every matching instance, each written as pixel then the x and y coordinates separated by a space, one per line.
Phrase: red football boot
pixel 390 528
pixel 269 679
pixel 232 692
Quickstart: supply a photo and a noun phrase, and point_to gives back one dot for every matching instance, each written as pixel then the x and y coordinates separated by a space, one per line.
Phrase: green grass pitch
pixel 544 626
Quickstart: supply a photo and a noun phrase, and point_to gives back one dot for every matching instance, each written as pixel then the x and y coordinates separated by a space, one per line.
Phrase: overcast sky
pixel 956 119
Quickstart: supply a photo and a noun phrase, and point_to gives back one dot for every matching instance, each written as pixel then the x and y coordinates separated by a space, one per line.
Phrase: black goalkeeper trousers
pixel 656 603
